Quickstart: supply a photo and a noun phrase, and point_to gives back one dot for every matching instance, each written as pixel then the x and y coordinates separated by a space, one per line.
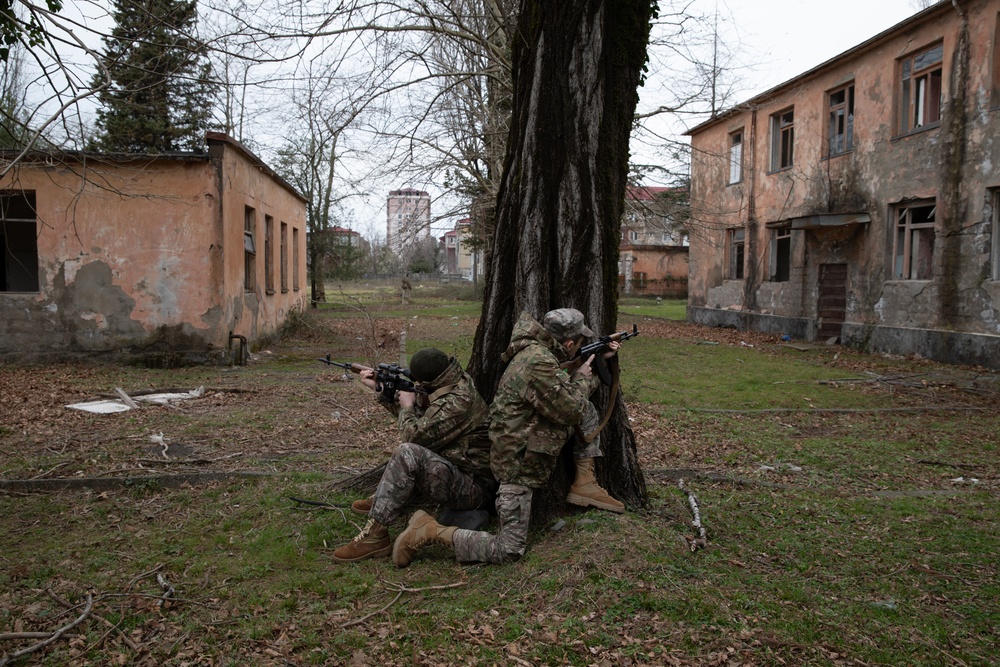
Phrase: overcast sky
pixel 784 39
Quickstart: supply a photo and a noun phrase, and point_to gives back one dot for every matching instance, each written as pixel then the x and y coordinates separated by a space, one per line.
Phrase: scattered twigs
pixel 948 464
pixel 400 590
pixel 53 637
pixel 50 470
pixel 359 621
pixel 922 408
pixel 316 503
pixel 189 461
pixel 702 540
pixel 142 576
pixel 124 637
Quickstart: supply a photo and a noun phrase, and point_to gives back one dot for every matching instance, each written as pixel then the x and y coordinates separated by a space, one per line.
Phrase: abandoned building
pixel 860 201
pixel 164 259
pixel 653 248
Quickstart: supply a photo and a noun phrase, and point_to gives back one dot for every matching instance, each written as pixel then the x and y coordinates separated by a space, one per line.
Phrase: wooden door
pixel 832 300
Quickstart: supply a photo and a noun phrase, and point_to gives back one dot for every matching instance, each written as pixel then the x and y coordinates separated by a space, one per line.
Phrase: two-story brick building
pixel 860 200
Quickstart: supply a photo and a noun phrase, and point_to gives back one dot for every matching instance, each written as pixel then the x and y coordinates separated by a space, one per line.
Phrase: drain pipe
pixel 244 347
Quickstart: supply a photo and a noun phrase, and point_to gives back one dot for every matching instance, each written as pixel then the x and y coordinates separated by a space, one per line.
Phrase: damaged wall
pixel 947 165
pixel 131 257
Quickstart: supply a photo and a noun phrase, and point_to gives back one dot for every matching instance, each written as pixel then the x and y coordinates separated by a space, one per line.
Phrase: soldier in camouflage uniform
pixel 535 410
pixel 445 453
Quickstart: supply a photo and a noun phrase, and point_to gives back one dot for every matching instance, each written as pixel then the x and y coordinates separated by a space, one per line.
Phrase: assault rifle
pixel 598 348
pixel 389 378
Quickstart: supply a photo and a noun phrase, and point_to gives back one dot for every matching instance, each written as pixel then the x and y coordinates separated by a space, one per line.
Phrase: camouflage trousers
pixel 414 470
pixel 509 544
pixel 514 511
pixel 591 420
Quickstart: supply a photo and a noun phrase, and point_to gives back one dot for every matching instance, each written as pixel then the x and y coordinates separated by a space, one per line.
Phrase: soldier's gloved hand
pixel 584 370
pixel 612 349
pixel 406 399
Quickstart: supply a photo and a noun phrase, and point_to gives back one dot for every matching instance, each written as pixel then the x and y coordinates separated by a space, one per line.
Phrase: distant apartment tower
pixel 408 218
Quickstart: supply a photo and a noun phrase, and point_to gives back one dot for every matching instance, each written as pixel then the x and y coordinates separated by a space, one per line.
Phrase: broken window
pixel 914 241
pixel 736 157
pixel 18 242
pixel 841 130
pixel 737 245
pixel 781 255
pixel 920 89
pixel 782 139
pixel 268 249
pixel 249 249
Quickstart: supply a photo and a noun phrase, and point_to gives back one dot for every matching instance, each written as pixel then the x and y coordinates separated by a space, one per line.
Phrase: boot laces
pixel 366 531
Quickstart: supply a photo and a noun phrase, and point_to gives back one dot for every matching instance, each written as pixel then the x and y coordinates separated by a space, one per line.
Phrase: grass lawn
pixel 851 505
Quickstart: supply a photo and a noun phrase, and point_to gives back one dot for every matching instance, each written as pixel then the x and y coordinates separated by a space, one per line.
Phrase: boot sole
pixel 357 511
pixel 384 551
pixel 582 501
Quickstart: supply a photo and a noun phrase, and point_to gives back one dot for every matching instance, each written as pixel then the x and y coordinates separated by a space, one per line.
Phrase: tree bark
pixel 576 67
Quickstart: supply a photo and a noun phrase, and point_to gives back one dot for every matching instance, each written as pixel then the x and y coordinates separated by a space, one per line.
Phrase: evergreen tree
pixel 155 98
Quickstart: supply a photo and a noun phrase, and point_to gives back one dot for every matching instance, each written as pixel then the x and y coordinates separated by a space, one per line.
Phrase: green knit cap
pixel 428 363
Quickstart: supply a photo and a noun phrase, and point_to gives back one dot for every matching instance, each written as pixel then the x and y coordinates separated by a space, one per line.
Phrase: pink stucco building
pixel 860 201
pixel 168 259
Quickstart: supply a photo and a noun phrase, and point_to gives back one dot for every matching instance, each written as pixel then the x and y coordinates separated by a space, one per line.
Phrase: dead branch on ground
pixel 702 540
pixel 168 590
pixel 54 636
pixel 401 589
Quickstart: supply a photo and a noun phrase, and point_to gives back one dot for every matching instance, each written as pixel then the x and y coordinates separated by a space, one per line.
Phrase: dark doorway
pixel 832 301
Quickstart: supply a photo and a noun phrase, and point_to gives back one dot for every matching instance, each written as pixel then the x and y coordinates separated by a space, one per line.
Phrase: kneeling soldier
pixel 444 455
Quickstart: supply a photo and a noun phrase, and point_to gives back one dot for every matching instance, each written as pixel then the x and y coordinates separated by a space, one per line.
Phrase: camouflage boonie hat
pixel 565 323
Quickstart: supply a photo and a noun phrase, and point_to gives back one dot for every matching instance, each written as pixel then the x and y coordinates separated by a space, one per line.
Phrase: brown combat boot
pixel 586 492
pixel 372 542
pixel 421 531
pixel 363 506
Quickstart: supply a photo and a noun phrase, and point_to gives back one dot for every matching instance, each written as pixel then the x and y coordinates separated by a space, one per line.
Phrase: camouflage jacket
pixel 454 423
pixel 535 408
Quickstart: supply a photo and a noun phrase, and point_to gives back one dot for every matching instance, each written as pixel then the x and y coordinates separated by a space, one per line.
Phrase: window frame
pixel 736 242
pixel 840 116
pixel 781 245
pixel 295 259
pixel 19 251
pixel 995 236
pixel 919 108
pixel 909 233
pixel 283 256
pixel 995 74
pixel 268 254
pixel 249 249
pixel 735 157
pixel 783 139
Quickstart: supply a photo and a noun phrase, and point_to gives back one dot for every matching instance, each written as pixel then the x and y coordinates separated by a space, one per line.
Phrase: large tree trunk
pixel 577 65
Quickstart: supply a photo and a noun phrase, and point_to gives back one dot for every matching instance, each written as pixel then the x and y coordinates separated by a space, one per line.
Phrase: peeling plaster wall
pixel 124 254
pixel 953 163
pixel 135 259
pixel 244 182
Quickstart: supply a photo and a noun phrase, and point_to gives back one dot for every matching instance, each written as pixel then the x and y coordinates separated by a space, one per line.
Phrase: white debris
pixel 112 405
